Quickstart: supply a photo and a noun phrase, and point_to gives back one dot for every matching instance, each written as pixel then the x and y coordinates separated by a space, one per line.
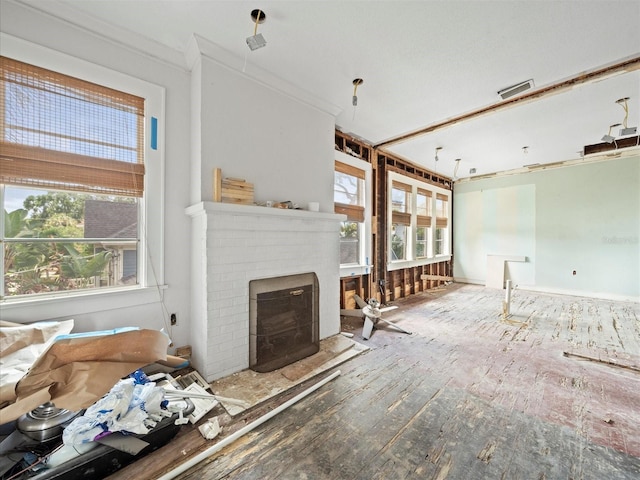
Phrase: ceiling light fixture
pixel 515 89
pixel 437 150
pixel 455 169
pixel 356 83
pixel 625 129
pixel 257 40
pixel 608 138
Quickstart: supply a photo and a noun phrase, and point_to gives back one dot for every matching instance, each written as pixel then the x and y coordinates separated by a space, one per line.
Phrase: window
pixel 441 207
pixel 58 241
pixel 417 236
pixel 349 243
pixel 400 198
pixel 422 242
pixel 73 176
pixel 349 199
pixel 423 203
pixel 442 222
pixel 398 241
pixel 72 155
pixel 439 241
pixel 423 222
pixel 400 219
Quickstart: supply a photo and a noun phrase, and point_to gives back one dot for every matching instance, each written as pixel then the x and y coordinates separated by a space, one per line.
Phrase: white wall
pixel 584 217
pixel 143 309
pixel 281 144
pixel 284 145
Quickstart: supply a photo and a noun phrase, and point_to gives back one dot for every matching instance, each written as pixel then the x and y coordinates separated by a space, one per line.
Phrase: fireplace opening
pixel 283 320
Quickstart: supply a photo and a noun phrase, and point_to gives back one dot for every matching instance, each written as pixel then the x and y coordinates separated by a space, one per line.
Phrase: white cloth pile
pixel 129 407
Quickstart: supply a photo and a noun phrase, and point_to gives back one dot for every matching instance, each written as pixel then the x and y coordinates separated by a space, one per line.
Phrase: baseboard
pixel 580 293
pixel 559 291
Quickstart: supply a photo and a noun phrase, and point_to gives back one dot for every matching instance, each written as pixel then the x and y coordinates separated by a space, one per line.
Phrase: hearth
pixel 283 320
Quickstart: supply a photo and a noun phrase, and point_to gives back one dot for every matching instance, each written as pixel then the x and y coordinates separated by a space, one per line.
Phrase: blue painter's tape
pixel 154 133
pixel 99 333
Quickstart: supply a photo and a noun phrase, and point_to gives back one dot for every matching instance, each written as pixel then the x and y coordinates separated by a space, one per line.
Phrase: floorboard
pixel 552 392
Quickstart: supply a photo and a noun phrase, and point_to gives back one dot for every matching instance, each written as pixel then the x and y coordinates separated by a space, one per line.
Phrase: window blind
pixel 65 133
pixel 441 212
pixel 354 213
pixel 349 170
pixel 401 186
pixel 400 214
pixel 401 218
pixel 424 220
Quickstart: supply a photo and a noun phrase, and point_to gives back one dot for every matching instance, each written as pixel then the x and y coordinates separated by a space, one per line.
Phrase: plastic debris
pixel 210 429
pixel 129 406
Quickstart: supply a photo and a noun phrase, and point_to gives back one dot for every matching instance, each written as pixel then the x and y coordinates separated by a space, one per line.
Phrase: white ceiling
pixel 422 62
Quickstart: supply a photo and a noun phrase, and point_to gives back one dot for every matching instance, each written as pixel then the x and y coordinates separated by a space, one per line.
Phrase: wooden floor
pixel 553 392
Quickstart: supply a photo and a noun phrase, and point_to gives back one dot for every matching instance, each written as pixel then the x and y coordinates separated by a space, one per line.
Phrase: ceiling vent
pixel 515 89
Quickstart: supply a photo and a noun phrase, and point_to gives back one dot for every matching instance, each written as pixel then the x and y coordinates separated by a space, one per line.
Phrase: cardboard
pixel 76 371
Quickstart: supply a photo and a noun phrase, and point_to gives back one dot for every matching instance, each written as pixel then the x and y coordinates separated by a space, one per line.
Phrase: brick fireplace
pixel 234 245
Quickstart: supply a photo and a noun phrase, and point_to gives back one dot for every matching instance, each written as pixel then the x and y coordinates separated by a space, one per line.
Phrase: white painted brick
pixel 234 310
pixel 242 243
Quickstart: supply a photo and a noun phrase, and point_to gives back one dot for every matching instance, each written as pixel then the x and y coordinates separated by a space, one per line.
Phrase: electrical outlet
pixel 173 319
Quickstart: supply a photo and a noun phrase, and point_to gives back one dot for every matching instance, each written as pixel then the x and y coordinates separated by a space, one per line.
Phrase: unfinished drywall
pixel 583 218
pixel 498 222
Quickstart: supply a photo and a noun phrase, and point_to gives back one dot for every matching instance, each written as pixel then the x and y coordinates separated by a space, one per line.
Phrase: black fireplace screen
pixel 283 320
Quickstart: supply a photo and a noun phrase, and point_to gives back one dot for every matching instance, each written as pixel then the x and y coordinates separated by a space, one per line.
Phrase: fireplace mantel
pixel 253 210
pixel 234 244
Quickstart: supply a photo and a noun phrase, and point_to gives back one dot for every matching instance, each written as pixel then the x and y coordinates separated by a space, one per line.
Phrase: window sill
pixel 65 305
pixel 354 270
pixel 400 264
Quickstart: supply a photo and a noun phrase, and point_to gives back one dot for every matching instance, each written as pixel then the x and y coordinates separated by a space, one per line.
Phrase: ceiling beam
pixel 624 66
pixel 615 145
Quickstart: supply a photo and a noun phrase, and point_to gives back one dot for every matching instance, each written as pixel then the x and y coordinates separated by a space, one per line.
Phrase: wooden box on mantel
pixel 231 190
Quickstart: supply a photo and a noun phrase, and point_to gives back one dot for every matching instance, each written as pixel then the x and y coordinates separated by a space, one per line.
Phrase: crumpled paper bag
pixel 20 346
pixel 77 370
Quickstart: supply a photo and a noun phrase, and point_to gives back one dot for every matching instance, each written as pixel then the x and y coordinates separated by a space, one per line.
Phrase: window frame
pixel 415 221
pixel 365 254
pixel 151 209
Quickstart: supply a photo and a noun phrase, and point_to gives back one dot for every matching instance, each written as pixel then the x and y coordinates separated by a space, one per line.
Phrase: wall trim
pixel 200 46
pixel 558 291
pixel 579 293
pixel 121 37
pixel 586 160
